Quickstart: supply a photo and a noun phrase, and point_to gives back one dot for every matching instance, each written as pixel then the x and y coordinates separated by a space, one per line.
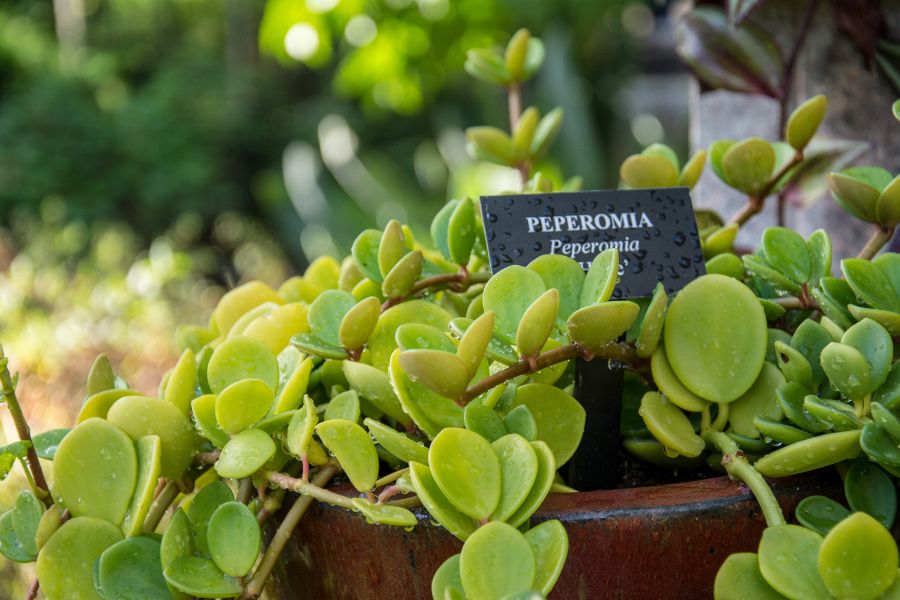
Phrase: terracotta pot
pixel 665 541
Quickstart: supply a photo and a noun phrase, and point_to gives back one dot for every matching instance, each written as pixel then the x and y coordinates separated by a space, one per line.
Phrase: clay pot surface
pixel 664 541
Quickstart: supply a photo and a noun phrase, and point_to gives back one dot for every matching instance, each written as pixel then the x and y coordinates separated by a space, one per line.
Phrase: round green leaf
pixel 748 165
pixel 811 454
pixel 110 455
pixel 382 342
pixel 559 417
pixel 467 470
pixel 484 421
pixel 518 469
pixel 857 196
pixel 760 400
pixel 180 388
pixel 870 283
pixel 889 393
pixel 715 337
pixel 359 323
pixel 508 294
pixel 819 245
pixel 671 387
pixel 203 505
pixel 365 252
pixel 461 232
pixel 791 397
pixel 440 226
pixel 880 446
pixel 446 580
pixel 401 279
pixel 199 577
pixel 235 303
pixel 131 570
pixel 234 539
pixel 385 514
pixel 793 364
pixel 139 416
pixel 870 490
pixel 670 426
pixel 601 278
pixel 26 517
pixel 847 370
pixel 241 358
pixel 820 514
pixel 375 386
pixel 440 371
pixel 805 120
pixel 693 169
pixel 437 504
pixel 245 454
pixel 496 561
pixel 858 558
pixel 787 560
pixel 11 546
pixel 343 406
pixel 177 540
pixel 550 545
pixel 397 443
pixel 242 404
pixel 391 247
pixel 787 252
pixel 65 566
pixel 652 323
pixel 739 579
pixel 99 404
pixel 593 327
pixel 887 319
pixel 414 336
pixel 875 344
pixel 204 411
pixel 537 323
pixel 564 274
pixel 641 171
pixel 149 459
pixel 353 448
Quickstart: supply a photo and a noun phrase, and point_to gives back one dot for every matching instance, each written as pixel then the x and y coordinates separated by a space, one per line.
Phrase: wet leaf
pixel 559 417
pixel 234 538
pixel 880 446
pixel 508 294
pixel 178 540
pixel 787 252
pixel 204 504
pixel 761 268
pixel 820 514
pixel 837 415
pixel 47 442
pixel 391 247
pixel 149 460
pixel 484 421
pixel 415 336
pixel 204 410
pixel 475 340
pixel 462 231
pixel 440 371
pixel 550 545
pixel 353 448
pixel 793 364
pixel 889 393
pixel 693 169
pixel 542 484
pixel 365 252
pixel 446 580
pixel 343 406
pixel 875 344
pixel 101 377
pixel 870 490
pixel 496 561
pixel 131 570
pixel 245 454
pixel 401 279
pixel 847 370
pixel 359 323
pixel 241 358
pixel 760 400
pixel 199 577
pixel 669 384
pixel 98 405
pixel 739 578
pixel 235 303
pixel 520 420
pixel 382 342
pixel 537 323
pixel 519 470
pixel 670 426
pixel 139 416
pixel 65 566
pixel 242 404
pixel 858 558
pixel 385 514
pixel 437 504
pixel 748 165
pixel 564 274
pixel 396 442
pixel 808 455
pixel 601 278
pixel 374 385
pixel 467 470
pixel 113 462
pixel 787 560
pixel 715 337
pixel 652 323
pixel 780 432
pixel 326 313
pixel 593 327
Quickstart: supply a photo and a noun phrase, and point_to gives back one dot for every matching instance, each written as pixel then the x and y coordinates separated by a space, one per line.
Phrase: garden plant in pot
pixel 443 394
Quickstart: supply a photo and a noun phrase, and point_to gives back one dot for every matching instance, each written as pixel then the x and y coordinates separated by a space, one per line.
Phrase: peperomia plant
pixel 426 382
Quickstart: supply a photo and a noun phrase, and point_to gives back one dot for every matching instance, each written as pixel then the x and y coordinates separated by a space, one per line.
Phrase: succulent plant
pixel 425 381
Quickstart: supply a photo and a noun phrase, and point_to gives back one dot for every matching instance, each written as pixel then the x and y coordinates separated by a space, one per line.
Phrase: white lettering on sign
pixel 598 222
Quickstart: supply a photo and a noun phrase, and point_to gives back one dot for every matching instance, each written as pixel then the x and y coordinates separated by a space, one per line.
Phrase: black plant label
pixel 653 229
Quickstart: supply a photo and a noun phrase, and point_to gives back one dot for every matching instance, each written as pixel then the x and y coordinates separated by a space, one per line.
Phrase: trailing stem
pixel 880 237
pixel 159 507
pixel 280 539
pixel 613 351
pixel 738 467
pixel 756 202
pixel 458 281
pixel 514 100
pixel 8 389
pixel 307 488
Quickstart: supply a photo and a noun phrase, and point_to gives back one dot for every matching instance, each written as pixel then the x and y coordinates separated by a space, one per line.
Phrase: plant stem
pixel 736 465
pixel 756 202
pixel 33 590
pixel 307 488
pixel 283 533
pixel 461 278
pixel 160 506
pixel 391 477
pixel 514 101
pixel 880 237
pixel 613 351
pixel 8 388
pixel 721 418
pixel 244 490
